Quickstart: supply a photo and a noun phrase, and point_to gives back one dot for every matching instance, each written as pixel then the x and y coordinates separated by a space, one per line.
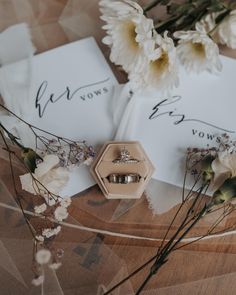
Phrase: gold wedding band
pixel 123 178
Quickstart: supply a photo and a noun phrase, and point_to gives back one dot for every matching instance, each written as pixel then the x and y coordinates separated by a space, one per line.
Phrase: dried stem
pixel 152 5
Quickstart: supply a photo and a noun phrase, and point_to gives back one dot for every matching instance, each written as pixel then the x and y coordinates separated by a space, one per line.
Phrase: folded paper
pixel 195 114
pixel 69 94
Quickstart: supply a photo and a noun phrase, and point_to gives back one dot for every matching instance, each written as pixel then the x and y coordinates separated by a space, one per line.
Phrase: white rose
pixel 48 175
pixel 227 30
pixel 224 166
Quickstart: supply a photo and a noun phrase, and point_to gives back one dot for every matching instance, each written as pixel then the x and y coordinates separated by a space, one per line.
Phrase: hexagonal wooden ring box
pixel 122 170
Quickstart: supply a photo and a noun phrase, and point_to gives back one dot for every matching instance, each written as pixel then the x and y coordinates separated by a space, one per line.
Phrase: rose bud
pixel 226 192
pixel 206 168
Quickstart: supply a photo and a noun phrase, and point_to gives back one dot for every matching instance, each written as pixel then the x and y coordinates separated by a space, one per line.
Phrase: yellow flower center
pixel 199 49
pixel 131 34
pixel 159 65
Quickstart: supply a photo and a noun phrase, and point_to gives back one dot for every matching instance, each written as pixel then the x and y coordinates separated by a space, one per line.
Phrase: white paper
pixel 202 108
pixel 79 81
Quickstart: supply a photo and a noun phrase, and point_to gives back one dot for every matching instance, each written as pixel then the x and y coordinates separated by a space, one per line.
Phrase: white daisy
pixel 43 256
pixel 161 71
pixel 207 23
pixel 227 30
pixel 197 51
pixel 118 8
pixel 128 30
pixel 60 213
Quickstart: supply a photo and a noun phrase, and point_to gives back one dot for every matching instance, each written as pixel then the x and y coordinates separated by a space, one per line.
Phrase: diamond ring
pixel 125 158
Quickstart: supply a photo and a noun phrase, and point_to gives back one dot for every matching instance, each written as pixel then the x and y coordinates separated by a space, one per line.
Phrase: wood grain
pixel 207 267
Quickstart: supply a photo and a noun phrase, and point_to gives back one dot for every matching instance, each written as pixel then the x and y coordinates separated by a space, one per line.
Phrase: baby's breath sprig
pixel 45 166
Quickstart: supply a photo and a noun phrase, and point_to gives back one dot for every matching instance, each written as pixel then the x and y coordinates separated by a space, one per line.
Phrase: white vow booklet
pixel 70 92
pixel 200 109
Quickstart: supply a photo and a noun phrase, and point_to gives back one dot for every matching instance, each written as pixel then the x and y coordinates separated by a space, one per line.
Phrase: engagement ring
pixel 125 158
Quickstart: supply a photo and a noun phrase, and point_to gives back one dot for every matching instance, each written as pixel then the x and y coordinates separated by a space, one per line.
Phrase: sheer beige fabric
pixel 94 262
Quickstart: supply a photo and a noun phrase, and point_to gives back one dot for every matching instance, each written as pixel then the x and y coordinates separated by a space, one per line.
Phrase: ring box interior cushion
pixel 103 169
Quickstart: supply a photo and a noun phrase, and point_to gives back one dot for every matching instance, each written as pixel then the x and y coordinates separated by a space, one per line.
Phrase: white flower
pixel 111 8
pixel 65 202
pixel 48 175
pixel 39 238
pixel 60 213
pixel 49 232
pixel 57 230
pixel 55 265
pixel 50 200
pixel 227 30
pixel 38 280
pixel 89 161
pixel 160 72
pixel 128 31
pixel 207 23
pixel 197 52
pixel 43 256
pixel 40 209
pixel 224 166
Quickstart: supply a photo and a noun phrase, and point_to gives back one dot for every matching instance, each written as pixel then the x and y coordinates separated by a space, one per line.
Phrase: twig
pixel 151 5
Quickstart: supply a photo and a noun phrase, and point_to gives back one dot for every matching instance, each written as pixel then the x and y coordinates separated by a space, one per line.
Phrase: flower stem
pixel 16 197
pixel 160 28
pixel 160 256
pixel 130 275
pixel 144 284
pixel 162 259
pixel 151 5
pixel 12 137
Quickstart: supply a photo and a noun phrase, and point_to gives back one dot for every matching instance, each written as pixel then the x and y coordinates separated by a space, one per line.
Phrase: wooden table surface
pixel 207 267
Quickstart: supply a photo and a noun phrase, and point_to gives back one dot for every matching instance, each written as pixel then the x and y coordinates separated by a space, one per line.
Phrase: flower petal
pixel 49 161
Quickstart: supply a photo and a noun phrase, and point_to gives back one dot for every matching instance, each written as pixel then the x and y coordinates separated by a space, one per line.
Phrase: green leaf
pixel 206 163
pixel 226 192
pixel 30 158
pixel 206 167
